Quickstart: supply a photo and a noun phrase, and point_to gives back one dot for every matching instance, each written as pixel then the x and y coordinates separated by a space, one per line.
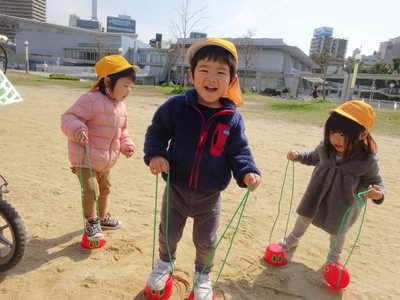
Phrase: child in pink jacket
pixel 98 119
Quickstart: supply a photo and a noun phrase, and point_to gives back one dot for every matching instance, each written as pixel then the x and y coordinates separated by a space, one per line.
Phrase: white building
pixel 271 64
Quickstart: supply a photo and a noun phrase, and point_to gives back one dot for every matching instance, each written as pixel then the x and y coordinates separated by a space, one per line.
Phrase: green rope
pixel 246 196
pixel 86 149
pixel 241 206
pixel 167 220
pixel 291 200
pixel 360 201
pixel 280 201
pixel 155 223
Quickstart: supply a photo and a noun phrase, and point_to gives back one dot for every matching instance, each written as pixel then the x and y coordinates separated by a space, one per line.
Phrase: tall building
pixel 321 44
pixel 198 35
pixel 156 43
pixel 323 31
pixel 390 49
pixel 76 21
pixel 323 41
pixel 121 24
pixel 94 9
pixel 28 9
pixel 339 48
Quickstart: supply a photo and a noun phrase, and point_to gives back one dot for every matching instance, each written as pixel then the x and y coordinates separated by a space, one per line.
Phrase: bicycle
pixel 12 232
pixel 3 54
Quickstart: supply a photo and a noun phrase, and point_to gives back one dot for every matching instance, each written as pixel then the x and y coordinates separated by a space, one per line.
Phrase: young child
pixel 199 139
pixel 345 164
pixel 99 120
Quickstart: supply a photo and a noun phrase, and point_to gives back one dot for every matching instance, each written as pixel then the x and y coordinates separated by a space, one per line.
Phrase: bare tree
pixel 172 57
pixel 100 47
pixel 188 20
pixel 247 49
pixel 323 60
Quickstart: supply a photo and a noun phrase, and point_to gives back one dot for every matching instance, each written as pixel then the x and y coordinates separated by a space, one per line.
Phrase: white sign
pixel 8 93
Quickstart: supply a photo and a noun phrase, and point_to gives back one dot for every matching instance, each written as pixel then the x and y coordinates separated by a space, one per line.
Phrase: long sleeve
pixel 309 158
pixel 125 139
pixel 74 119
pixel 158 134
pixel 372 177
pixel 240 158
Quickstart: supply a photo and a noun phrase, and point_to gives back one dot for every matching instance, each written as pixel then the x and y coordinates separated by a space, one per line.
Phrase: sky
pixel 364 23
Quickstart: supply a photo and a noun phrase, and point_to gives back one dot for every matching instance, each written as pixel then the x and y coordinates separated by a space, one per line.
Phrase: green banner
pixel 8 93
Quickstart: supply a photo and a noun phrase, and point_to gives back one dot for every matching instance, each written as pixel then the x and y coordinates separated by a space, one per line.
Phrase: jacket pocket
pixel 218 140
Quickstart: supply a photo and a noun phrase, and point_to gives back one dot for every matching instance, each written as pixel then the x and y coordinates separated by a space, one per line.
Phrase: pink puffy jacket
pixel 106 123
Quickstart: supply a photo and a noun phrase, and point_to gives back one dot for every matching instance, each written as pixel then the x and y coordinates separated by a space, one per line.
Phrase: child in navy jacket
pixel 199 139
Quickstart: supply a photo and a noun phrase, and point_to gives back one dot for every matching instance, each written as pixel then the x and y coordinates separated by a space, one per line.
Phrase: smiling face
pixel 211 79
pixel 122 88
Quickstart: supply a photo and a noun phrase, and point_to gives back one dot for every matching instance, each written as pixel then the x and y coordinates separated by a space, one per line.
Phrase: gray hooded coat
pixel 334 185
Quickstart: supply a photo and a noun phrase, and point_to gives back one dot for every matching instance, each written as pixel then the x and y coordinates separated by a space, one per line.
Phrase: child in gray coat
pixel 345 164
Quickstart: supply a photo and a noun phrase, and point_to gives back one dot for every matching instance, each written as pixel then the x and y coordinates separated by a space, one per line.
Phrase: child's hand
pixel 293 155
pixel 83 138
pixel 158 164
pixel 252 180
pixel 375 194
pixel 129 150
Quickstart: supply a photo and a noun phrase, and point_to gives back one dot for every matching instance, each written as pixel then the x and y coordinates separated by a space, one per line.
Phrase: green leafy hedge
pixel 63 77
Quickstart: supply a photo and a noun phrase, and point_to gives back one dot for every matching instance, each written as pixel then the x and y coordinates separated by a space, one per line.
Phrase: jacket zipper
pixel 205 127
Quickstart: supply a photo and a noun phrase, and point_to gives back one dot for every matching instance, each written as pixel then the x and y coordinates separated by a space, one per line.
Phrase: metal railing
pixel 382 104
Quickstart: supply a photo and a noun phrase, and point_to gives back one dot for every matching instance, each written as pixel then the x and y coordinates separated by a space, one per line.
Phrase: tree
pixel 247 50
pixel 187 22
pixel 172 57
pixel 323 60
pixel 396 64
pixel 381 68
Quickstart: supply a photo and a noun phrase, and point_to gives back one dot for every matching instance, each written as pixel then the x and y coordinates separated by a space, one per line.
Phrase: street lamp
pixel 26 57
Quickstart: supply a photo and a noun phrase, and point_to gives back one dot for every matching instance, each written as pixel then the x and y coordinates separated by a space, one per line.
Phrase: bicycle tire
pixel 10 215
pixel 3 53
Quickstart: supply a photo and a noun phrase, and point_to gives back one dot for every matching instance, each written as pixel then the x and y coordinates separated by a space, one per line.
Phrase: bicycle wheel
pixel 3 59
pixel 12 236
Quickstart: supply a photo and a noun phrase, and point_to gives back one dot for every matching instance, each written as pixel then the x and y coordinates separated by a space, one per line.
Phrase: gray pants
pixel 336 241
pixel 204 208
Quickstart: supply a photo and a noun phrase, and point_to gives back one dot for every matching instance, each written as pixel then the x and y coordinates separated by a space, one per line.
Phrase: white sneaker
pixel 202 287
pixel 159 275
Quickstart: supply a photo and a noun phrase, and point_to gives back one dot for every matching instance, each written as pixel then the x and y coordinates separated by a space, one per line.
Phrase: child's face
pixel 122 88
pixel 338 141
pixel 211 81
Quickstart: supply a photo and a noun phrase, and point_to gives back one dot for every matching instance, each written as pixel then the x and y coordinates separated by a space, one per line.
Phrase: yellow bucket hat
pixel 109 65
pixel 358 111
pixel 234 93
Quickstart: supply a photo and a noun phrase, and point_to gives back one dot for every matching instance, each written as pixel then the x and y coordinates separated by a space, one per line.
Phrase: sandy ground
pixel 33 157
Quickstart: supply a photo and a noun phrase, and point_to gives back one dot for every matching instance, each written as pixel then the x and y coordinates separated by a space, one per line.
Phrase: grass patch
pixel 315 112
pixel 19 78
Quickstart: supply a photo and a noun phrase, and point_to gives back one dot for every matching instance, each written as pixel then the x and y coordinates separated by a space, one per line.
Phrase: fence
pixel 383 104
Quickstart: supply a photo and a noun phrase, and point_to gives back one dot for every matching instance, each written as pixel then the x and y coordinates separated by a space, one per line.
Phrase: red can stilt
pixel 91 244
pixel 160 294
pixel 275 255
pixel 336 276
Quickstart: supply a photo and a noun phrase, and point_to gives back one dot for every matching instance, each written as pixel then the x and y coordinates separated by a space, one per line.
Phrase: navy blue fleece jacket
pixel 203 149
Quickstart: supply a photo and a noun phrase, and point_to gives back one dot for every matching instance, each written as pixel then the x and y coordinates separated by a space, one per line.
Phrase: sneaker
pixel 159 275
pixel 93 229
pixel 202 287
pixel 109 222
pixel 289 242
